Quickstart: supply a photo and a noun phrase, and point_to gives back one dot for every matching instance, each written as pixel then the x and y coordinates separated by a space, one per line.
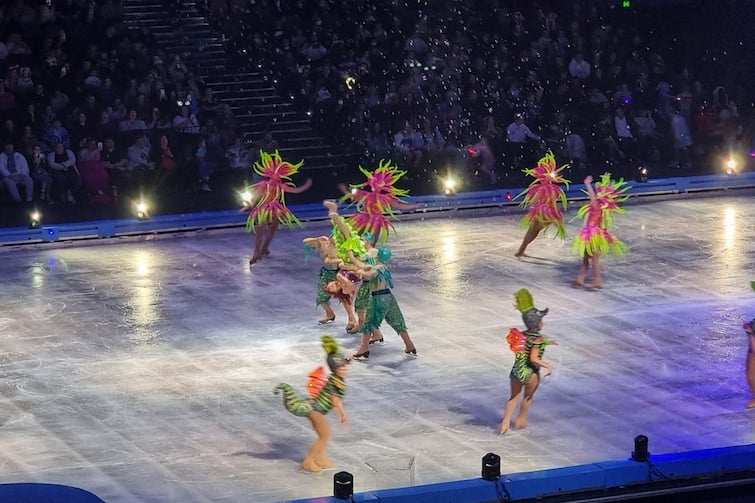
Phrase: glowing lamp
pixel 246 197
pixel 731 166
pixel 35 220
pixel 142 210
pixel 449 186
pixel 642 174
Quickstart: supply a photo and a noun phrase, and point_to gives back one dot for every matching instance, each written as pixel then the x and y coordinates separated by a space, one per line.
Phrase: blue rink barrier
pixel 680 472
pixel 314 211
pixel 45 493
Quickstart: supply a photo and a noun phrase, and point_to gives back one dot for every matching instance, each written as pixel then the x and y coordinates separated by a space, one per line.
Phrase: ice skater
pixel 595 238
pixel 382 305
pixel 326 393
pixel 545 199
pixel 326 247
pixel 377 199
pixel 750 361
pixel 267 206
pixel 528 347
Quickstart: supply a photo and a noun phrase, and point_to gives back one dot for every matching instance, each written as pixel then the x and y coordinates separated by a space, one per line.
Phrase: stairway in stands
pixel 180 28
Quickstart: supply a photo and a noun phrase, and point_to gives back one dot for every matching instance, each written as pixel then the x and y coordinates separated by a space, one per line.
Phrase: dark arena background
pixel 139 349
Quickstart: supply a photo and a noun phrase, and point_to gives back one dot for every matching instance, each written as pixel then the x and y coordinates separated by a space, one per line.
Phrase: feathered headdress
pixel 375 199
pixel 336 359
pixel 271 190
pixel 545 195
pixel 531 316
pixel 609 194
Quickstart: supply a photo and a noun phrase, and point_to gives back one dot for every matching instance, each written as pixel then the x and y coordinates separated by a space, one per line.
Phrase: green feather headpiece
pixel 531 316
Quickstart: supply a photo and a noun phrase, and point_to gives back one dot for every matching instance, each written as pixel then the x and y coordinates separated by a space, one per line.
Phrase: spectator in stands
pixel 377 141
pixel 138 155
pixel 518 132
pixel 28 141
pixel 624 136
pixel 59 101
pixel 114 159
pixel 682 140
pixel 238 156
pixel 105 128
pixel 57 134
pixel 79 131
pixel 40 173
pixel 117 111
pixel 90 152
pixel 482 151
pixel 7 98
pixel 574 150
pixel 133 123
pixel 66 181
pixel 157 121
pixel 408 142
pixel 94 176
pixel 647 135
pixel 579 68
pixel 167 159
pixel 185 122
pixel 204 167
pixel 268 143
pixel 433 141
pixel 9 133
pixel 15 172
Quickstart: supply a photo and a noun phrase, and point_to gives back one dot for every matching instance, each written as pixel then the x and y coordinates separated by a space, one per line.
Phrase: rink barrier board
pixel 673 473
pixel 314 211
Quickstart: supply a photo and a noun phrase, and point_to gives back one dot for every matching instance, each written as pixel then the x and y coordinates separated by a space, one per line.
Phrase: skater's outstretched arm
pixel 589 189
pixel 298 190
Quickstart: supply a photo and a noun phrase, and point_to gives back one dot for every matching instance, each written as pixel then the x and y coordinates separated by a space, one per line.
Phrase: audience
pixel 15 172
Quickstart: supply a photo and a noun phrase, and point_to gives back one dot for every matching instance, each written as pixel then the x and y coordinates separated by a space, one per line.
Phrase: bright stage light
pixel 731 166
pixel 642 174
pixel 246 197
pixel 449 186
pixel 35 219
pixel 141 209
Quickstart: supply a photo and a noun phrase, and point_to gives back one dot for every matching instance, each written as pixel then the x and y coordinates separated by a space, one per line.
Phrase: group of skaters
pixel 355 271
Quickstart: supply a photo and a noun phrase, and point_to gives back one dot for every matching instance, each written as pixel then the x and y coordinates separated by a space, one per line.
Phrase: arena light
pixel 642 174
pixel 640 452
pixel 343 486
pixel 246 197
pixel 491 466
pixel 449 186
pixel 35 219
pixel 141 209
pixel 731 166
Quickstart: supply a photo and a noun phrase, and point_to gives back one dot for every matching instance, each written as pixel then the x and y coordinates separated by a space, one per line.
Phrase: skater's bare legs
pixel 532 232
pixel 516 390
pixel 597 281
pixel 580 280
pixel 529 392
pixel 317 459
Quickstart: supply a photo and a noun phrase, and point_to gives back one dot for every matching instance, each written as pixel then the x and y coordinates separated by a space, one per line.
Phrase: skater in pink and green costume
pixel 545 199
pixel 596 238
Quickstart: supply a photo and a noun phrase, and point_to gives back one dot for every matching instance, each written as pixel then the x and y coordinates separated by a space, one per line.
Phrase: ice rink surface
pixel 142 369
